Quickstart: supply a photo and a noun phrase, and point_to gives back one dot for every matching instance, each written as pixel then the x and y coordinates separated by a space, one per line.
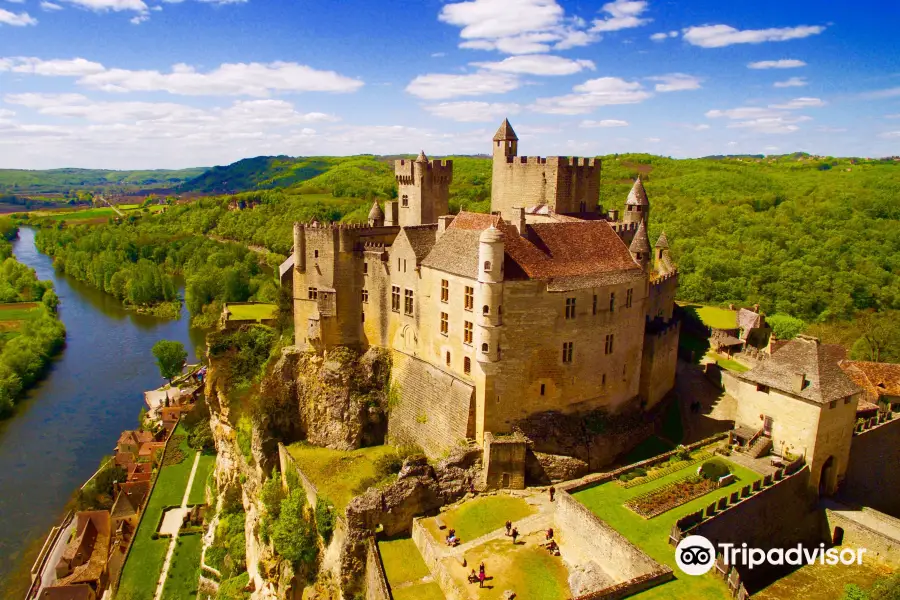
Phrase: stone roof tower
pixel 640 246
pixel 663 261
pixel 637 206
pixel 506 142
pixel 376 215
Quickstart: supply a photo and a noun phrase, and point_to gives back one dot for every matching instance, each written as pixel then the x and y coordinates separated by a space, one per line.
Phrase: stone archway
pixel 826 477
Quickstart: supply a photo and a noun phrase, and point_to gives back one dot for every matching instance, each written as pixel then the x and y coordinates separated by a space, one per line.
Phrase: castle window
pixel 570 308
pixel 610 339
pixel 315 254
pixel 487 266
pixel 404 265
pixel 832 404
pixel 594 306
pixel 469 298
pixel 484 348
pixel 395 298
pixel 445 325
pixel 567 351
pixel 363 315
pixel 445 290
pixel 467 365
pixel 612 302
pixel 603 379
pixel 448 359
pixel 405 200
pixel 486 310
pixel 312 293
pixel 543 389
pixel 628 297
pixel 365 268
pixel 467 332
pixel 365 296
pixel 408 302
pixel 847 400
pixel 762 388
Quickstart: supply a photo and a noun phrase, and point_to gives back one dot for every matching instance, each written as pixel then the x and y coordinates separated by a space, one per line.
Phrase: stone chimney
pixel 799 382
pixel 391 213
pixel 518 220
pixel 613 214
pixel 443 223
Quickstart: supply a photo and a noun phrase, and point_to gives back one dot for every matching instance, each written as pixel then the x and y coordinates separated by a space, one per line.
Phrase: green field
pixel 607 502
pixel 478 517
pixel 402 561
pixel 198 489
pixel 336 473
pixel 183 577
pixel 145 560
pixel 254 312
pixel 13 316
pixel 711 316
pixel 727 363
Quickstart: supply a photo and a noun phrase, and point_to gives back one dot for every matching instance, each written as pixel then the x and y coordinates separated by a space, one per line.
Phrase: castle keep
pixel 546 304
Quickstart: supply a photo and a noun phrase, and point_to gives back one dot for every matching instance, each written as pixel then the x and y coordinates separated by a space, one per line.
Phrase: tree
pixel 785 327
pixel 880 340
pixel 170 357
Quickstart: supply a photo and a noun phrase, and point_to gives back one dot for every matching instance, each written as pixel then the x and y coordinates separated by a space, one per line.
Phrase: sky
pixel 142 84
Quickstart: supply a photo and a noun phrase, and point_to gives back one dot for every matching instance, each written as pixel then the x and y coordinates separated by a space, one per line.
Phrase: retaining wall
pixel 377 587
pixel 856 534
pixel 432 555
pixel 872 477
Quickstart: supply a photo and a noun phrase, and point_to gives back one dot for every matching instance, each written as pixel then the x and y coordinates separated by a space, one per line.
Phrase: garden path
pixel 172 544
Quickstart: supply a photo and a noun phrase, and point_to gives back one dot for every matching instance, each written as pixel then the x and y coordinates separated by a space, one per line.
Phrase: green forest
pixel 20 181
pixel 814 239
pixel 30 331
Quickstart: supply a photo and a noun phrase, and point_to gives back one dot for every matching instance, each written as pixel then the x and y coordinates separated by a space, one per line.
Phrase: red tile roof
pixel 877 379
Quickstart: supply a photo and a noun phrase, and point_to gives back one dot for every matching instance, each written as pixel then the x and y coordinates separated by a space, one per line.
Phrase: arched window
pixel 315 254
pixel 404 200
pixel 486 310
pixel 487 265
pixel 484 348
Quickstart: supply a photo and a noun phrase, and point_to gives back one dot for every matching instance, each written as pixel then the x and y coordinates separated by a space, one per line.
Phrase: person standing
pixel 515 534
pixel 552 492
pixel 508 527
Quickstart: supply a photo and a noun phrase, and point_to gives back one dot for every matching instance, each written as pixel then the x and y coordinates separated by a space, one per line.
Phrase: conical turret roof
pixel 376 212
pixel 491 235
pixel 662 242
pixel 640 243
pixel 422 158
pixel 637 196
pixel 505 132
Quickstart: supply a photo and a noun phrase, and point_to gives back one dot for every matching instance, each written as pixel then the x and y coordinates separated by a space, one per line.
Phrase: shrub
pixel 272 494
pixel 682 453
pixel 293 535
pixel 714 469
pixel 326 516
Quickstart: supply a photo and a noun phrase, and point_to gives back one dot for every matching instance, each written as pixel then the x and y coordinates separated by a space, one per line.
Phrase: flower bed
pixel 659 472
pixel 670 496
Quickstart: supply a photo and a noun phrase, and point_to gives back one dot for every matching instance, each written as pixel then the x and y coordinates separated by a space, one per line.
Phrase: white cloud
pixel 233 79
pixel 16 20
pixel 515 26
pixel 718 36
pixel 663 35
pixel 792 82
pixel 676 82
pixel 441 86
pixel 889 135
pixel 654 140
pixel 623 14
pixel 785 63
pixel 771 148
pixel 746 112
pixel 694 126
pixel 438 54
pixel 110 5
pixel 591 94
pixel 50 6
pixel 75 67
pixel 538 64
pixel 5 114
pixel 881 94
pixel 468 112
pixel 825 129
pixel 799 103
pixel 604 123
pixel 770 124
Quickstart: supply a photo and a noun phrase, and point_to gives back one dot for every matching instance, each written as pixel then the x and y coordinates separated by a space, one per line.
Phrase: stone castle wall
pixel 377 587
pixel 560 182
pixel 661 296
pixel 658 363
pixel 432 408
pixel 872 477
pixel 877 543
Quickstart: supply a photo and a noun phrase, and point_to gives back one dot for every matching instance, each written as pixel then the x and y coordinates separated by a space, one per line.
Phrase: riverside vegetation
pixel 813 240
pixel 30 331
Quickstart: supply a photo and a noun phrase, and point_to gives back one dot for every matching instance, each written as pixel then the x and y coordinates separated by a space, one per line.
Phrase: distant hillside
pixel 60 181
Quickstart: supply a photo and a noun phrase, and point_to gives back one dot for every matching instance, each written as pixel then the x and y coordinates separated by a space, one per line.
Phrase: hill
pixel 60 181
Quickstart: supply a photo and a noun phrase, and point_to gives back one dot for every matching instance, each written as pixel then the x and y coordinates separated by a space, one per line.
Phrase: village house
pixel 880 383
pixel 546 305
pixel 84 561
pixel 126 510
pixel 68 592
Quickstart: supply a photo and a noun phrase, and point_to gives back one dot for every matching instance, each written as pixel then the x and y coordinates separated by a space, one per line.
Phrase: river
pixel 73 417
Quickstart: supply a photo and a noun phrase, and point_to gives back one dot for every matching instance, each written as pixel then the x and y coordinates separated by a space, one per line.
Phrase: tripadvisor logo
pixel 695 555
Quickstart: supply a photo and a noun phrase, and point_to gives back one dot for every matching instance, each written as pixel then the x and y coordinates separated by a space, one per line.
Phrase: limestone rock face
pixel 550 468
pixel 587 578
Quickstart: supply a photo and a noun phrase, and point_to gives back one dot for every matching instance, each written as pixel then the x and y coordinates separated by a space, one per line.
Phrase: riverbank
pixel 72 418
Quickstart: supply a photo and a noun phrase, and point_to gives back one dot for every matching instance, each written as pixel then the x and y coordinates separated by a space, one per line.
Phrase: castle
pixel 546 304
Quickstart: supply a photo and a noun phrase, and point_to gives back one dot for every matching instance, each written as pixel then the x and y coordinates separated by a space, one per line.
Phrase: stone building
pixel 546 304
pixel 802 400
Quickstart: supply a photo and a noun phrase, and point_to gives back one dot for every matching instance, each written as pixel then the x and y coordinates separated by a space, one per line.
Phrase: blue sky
pixel 168 84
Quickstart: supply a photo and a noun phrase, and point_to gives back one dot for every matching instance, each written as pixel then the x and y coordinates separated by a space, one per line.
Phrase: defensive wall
pixel 377 587
pixel 865 528
pixel 658 362
pixel 872 477
pixel 565 184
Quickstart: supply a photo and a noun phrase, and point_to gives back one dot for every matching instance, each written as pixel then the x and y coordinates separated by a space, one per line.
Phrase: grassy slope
pixel 402 561
pixel 606 501
pixel 145 561
pixel 198 489
pixel 253 311
pixel 62 180
pixel 479 517
pixel 182 580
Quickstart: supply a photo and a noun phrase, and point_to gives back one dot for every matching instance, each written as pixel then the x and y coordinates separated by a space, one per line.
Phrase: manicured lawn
pixel 727 363
pixel 652 536
pixel 711 316
pixel 421 591
pixel 198 489
pixel 181 582
pixel 145 561
pixel 259 311
pixel 481 516
pixel 337 473
pixel 402 561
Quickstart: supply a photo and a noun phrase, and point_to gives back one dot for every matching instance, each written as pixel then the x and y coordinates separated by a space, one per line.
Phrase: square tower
pixel 423 190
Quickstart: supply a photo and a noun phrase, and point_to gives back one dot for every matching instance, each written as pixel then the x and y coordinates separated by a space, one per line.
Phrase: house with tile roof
pixel 545 305
pixel 802 400
pixel 84 560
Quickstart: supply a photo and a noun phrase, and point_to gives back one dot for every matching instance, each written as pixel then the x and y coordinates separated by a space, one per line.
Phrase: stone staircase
pixel 760 447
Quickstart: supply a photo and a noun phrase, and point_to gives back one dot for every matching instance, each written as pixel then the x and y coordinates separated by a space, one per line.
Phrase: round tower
pixel 640 246
pixel 637 206
pixel 490 294
pixel 376 215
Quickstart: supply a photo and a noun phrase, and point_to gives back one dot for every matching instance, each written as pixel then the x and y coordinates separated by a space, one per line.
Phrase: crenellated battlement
pixel 559 161
pixel 661 280
pixel 406 172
